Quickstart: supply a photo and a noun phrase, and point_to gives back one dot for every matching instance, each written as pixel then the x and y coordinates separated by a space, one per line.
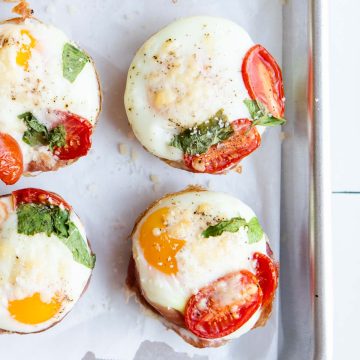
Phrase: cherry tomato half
pixel 263 80
pixel 78 135
pixel 223 306
pixel 228 153
pixel 11 159
pixel 267 275
pixel 38 196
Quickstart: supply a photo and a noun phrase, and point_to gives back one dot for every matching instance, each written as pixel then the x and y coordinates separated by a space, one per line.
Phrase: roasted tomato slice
pixel 263 80
pixel 11 159
pixel 223 306
pixel 38 196
pixel 267 275
pixel 78 135
pixel 228 153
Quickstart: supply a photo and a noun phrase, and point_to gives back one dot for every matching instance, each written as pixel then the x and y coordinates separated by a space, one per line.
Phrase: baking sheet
pixel 108 190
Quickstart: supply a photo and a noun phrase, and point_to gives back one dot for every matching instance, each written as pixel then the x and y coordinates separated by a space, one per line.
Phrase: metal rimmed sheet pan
pixel 306 281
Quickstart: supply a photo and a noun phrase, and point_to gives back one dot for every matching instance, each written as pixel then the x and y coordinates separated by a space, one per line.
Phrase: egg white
pixel 36 264
pixel 182 76
pixel 43 86
pixel 202 260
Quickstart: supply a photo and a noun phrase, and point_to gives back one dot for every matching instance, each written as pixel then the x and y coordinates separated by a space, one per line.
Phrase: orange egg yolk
pixel 159 249
pixel 32 310
pixel 24 54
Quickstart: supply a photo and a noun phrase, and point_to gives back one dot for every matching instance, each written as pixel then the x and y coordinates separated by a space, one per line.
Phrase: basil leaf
pixel 33 138
pixel 269 121
pixel 60 221
pixel 78 247
pixel 74 61
pixel 260 114
pixel 197 140
pixel 253 108
pixel 255 231
pixel 34 219
pixel 36 134
pixel 232 225
pixel 57 137
pixel 40 218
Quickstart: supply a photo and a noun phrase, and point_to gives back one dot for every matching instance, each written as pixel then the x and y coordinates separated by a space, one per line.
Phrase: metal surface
pixel 295 299
pixel 306 290
pixel 320 182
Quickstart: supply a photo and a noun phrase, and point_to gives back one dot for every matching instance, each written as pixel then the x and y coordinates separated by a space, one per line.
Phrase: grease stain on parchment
pixel 91 356
pixel 160 351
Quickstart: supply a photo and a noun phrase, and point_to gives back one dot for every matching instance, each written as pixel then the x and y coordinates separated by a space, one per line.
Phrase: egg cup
pixel 199 94
pixel 51 98
pixel 45 260
pixel 202 263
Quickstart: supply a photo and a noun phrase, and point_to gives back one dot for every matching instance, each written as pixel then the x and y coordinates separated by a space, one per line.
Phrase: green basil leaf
pixel 34 219
pixel 37 133
pixel 33 138
pixel 255 231
pixel 268 120
pixel 40 218
pixel 197 140
pixel 57 137
pixel 78 247
pixel 61 220
pixel 253 108
pixel 232 225
pixel 74 61
pixel 260 115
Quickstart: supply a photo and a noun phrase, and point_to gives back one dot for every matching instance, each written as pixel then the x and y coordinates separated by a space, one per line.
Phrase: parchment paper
pixel 108 189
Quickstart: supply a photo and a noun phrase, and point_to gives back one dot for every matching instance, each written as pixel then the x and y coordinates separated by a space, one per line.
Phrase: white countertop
pixel 345 130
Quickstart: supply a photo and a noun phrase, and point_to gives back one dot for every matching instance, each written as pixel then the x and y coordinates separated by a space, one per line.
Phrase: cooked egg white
pixel 39 279
pixel 183 75
pixel 186 261
pixel 31 79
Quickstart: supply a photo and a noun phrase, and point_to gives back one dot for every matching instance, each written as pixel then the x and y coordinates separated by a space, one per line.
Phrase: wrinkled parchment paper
pixel 109 189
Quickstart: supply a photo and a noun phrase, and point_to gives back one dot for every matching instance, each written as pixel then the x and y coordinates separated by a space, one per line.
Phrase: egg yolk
pixel 32 310
pixel 24 54
pixel 159 249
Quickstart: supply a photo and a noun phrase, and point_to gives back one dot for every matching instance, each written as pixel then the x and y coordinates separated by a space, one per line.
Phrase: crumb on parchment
pixel 123 149
pixel 134 155
pixel 238 169
pixel 154 178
